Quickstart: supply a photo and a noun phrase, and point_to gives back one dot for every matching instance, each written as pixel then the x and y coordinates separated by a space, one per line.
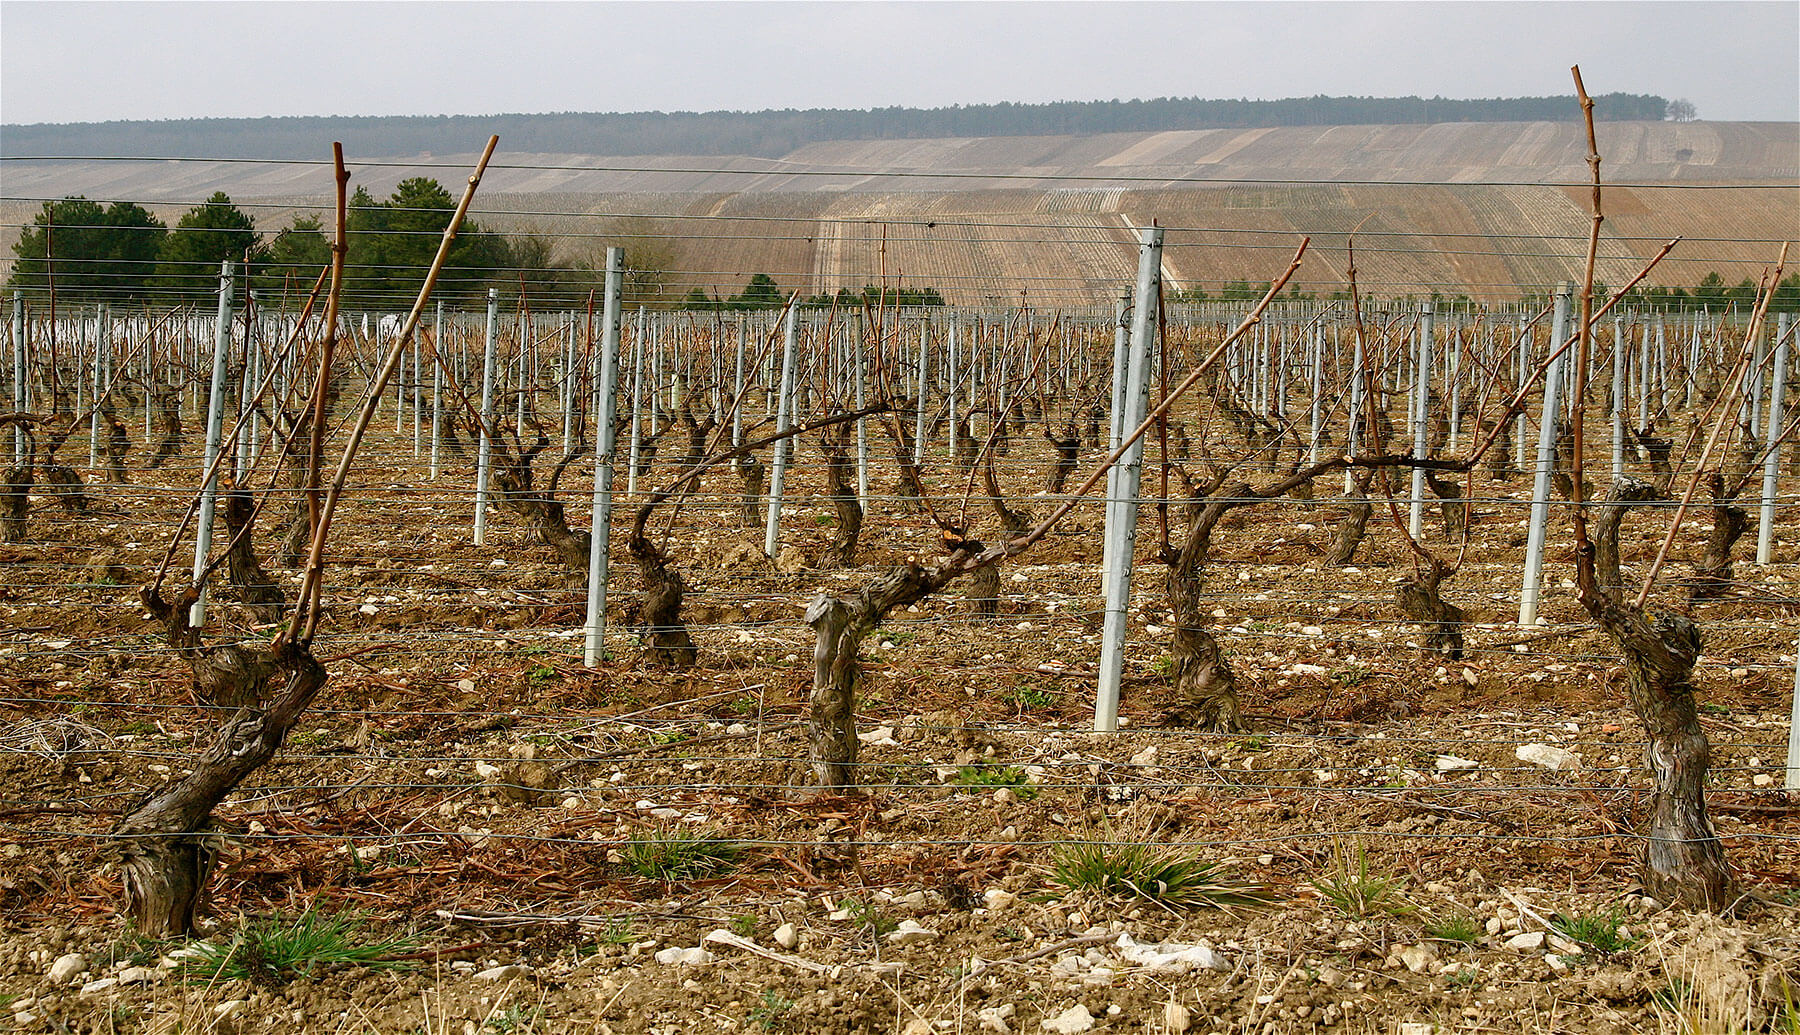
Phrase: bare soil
pixel 465 784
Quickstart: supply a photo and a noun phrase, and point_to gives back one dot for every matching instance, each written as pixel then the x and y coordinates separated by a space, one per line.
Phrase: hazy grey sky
pixel 80 62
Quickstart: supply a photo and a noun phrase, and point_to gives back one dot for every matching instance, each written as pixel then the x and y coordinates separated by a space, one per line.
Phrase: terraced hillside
pixel 1489 210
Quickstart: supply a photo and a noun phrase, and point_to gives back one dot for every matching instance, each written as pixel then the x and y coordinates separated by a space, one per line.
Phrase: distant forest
pixel 774 133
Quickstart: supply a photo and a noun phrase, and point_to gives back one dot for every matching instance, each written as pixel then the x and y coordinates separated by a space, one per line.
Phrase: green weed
pixel 272 953
pixel 1167 874
pixel 974 778
pixel 679 855
pixel 1354 891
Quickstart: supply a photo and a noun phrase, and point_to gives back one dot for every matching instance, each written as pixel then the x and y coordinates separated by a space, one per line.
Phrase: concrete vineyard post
pixel 637 401
pixel 1121 354
pixel 784 416
pixel 919 425
pixel 215 420
pixel 1421 443
pixel 1453 346
pixel 20 374
pixel 1122 497
pixel 1765 532
pixel 485 454
pixel 862 430
pixel 102 354
pixel 1520 425
pixel 1316 386
pixel 1353 434
pixel 1532 587
pixel 952 370
pixel 606 393
pixel 1621 349
pixel 437 389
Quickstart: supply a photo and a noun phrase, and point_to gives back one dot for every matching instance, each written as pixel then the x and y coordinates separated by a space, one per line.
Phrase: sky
pixel 85 62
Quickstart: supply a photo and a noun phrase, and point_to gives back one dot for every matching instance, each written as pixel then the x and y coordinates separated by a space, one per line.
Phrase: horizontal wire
pixel 866 173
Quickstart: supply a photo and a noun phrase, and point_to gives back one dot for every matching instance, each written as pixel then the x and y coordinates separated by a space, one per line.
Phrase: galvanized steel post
pixel 215 421
pixel 485 455
pixel 1122 503
pixel 1532 588
pixel 606 385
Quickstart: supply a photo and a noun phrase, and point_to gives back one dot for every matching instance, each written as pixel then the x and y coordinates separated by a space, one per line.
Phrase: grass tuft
pixel 269 952
pixel 974 778
pixel 1600 932
pixel 1458 927
pixel 679 855
pixel 1166 874
pixel 1354 891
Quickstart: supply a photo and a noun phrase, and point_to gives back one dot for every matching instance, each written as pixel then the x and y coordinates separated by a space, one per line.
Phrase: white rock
pixel 1312 630
pixel 139 975
pixel 880 735
pixel 995 1018
pixel 505 972
pixel 96 987
pixel 1548 756
pixel 1167 958
pixel 911 932
pixel 65 968
pixel 1530 941
pixel 676 956
pixel 787 936
pixel 1418 957
pixel 487 770
pixel 1451 763
pixel 1762 780
pixel 230 1008
pixel 1176 1017
pixel 1417 1028
pixel 1075 1019
pixel 997 899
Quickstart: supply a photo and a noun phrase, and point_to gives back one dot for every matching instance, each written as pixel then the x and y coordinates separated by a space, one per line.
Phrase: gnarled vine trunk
pixel 256 590
pixel 840 475
pixel 1419 599
pixel 1205 688
pixel 840 623
pixel 1712 569
pixel 665 634
pixel 163 849
pixel 1683 858
pixel 1355 523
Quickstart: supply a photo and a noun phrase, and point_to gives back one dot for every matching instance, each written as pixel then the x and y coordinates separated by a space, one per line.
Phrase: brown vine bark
pixel 167 400
pixel 1683 859
pixel 1205 688
pixel 1450 503
pixel 15 501
pixel 542 511
pixel 164 848
pixel 1712 570
pixel 753 473
pixel 255 589
pixel 840 623
pixel 1419 599
pixel 840 475
pixel 666 639
pixel 1068 448
pixel 1355 524
pixel 118 447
